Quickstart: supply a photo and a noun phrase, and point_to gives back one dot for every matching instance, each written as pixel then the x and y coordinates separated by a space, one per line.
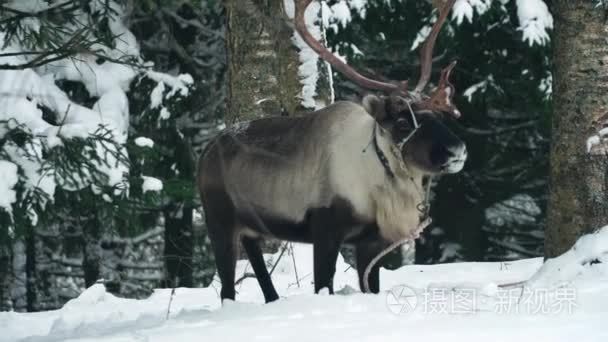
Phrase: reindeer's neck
pixel 383 158
pixel 398 199
pixel 392 161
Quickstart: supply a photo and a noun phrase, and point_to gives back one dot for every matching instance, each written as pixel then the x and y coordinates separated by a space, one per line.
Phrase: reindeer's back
pixel 278 165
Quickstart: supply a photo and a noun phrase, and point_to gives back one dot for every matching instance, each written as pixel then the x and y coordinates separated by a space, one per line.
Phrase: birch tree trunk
pixel 578 201
pixel 263 62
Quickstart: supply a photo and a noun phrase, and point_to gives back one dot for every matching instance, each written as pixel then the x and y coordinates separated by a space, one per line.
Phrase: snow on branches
pixel 309 61
pixel 534 21
pixel 534 18
pixel 464 9
pixel 320 16
pixel 8 175
pixel 47 138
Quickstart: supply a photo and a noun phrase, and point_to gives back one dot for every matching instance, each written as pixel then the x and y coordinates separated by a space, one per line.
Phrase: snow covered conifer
pixel 71 74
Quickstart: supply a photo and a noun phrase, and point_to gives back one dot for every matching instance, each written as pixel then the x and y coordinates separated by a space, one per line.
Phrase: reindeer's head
pixel 413 118
pixel 422 139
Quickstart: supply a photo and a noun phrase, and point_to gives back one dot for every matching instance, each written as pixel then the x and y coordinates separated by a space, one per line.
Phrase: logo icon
pixel 401 299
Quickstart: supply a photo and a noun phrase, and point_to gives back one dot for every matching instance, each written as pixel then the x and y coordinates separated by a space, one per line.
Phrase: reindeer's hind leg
pixel 328 226
pixel 221 225
pixel 256 259
pixel 224 250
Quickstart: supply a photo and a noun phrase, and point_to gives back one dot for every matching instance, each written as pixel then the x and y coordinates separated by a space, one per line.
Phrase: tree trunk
pixel 19 276
pixel 262 63
pixel 91 246
pixel 578 201
pixel 179 247
pixel 5 277
pixel 30 271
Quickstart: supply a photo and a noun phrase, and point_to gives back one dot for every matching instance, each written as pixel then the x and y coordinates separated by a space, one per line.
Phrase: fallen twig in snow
pixel 513 285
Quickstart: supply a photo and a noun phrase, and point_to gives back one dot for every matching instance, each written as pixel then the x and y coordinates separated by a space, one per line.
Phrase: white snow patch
pixel 534 20
pixel 156 96
pixel 546 86
pixel 464 9
pixel 319 15
pixel 309 60
pixel 450 251
pixel 586 261
pixel 341 13
pixel 421 36
pixel 596 140
pixel 144 142
pixel 8 179
pixel 592 141
pixel 481 87
pixel 165 114
pixel 151 184
pixel 534 17
pixel 178 84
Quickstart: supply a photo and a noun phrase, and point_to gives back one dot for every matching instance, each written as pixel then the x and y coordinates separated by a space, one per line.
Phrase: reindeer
pixel 346 174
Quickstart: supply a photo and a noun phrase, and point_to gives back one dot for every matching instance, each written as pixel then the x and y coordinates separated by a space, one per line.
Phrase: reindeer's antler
pixel 439 100
pixel 328 56
pixel 426 53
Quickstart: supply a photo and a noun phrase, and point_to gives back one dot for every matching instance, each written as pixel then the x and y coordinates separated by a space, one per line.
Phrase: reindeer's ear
pixel 375 106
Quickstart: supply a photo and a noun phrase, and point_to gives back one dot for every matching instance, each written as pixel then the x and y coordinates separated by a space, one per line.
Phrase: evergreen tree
pixel 82 178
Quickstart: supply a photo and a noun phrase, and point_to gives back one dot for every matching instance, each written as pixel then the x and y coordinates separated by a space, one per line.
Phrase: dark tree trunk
pixel 30 272
pixel 179 247
pixel 578 200
pixel 5 276
pixel 91 248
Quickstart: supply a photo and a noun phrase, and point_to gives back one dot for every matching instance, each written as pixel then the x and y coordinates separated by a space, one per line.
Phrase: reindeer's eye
pixel 402 124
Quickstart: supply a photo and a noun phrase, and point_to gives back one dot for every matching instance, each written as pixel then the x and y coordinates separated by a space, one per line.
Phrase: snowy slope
pixel 566 300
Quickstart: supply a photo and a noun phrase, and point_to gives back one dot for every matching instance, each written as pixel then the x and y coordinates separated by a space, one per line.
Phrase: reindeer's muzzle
pixel 453 158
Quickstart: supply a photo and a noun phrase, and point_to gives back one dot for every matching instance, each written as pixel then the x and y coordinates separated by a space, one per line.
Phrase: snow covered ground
pixel 565 299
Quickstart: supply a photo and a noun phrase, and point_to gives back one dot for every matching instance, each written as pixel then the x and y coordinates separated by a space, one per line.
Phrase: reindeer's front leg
pixel 366 251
